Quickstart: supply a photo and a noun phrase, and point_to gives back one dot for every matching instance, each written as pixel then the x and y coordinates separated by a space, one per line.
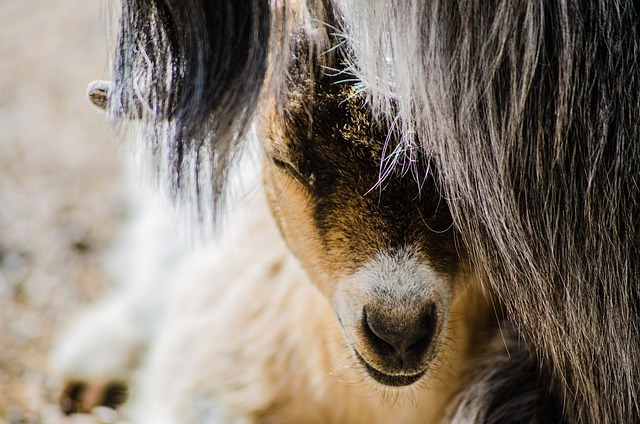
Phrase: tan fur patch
pixel 290 205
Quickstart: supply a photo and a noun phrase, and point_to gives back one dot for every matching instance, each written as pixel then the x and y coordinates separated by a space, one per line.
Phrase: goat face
pixel 382 251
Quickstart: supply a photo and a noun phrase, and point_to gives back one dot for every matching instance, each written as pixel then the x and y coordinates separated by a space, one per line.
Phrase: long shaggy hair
pixel 529 111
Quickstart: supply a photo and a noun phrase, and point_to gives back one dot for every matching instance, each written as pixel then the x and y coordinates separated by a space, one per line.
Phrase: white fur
pixel 106 340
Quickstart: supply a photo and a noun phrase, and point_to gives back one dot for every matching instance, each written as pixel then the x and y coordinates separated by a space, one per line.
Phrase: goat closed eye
pixel 291 169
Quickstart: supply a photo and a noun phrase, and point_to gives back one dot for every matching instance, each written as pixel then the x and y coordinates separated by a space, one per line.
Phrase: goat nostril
pixel 424 329
pixel 403 336
pixel 380 330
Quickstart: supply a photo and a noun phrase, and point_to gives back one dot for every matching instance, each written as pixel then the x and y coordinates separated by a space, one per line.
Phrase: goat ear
pixel 98 93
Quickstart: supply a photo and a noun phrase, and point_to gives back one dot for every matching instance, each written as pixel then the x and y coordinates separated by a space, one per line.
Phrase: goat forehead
pixel 339 155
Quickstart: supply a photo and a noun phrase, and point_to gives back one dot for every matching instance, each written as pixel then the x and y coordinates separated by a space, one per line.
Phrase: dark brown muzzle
pixel 397 345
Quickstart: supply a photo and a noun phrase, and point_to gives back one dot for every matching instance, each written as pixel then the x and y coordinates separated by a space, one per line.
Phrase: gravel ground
pixel 60 196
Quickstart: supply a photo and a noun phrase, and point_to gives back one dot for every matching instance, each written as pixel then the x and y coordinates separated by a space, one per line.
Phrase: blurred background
pixel 61 202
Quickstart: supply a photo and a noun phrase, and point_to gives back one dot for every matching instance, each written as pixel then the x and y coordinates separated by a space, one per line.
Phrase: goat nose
pixel 405 338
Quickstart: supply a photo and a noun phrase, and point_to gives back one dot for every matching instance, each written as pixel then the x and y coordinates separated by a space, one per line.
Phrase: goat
pixel 513 126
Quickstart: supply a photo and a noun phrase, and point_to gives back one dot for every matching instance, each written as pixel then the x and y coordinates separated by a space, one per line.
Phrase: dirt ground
pixel 60 197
